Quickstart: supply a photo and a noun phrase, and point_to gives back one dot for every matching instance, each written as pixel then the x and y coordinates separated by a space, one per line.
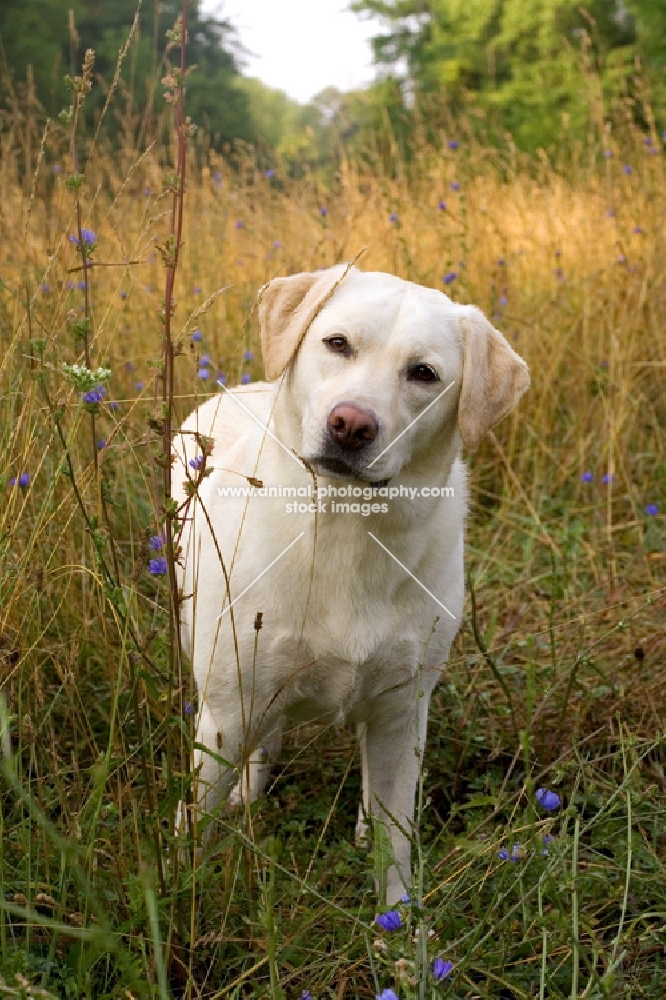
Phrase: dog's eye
pixel 422 373
pixel 338 344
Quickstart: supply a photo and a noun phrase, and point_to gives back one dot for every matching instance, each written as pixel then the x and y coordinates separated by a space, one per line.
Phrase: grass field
pixel 556 680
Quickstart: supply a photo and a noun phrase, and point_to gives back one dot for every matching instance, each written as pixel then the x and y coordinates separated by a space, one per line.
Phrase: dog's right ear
pixel 287 307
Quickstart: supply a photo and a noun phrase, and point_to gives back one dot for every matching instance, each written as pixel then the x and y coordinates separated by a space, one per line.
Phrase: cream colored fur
pixel 346 631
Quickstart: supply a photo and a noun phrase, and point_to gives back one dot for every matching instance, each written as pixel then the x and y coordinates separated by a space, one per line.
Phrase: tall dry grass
pixel 566 541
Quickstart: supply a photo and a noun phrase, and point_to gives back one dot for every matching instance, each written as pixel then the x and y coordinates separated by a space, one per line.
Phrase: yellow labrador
pixel 351 544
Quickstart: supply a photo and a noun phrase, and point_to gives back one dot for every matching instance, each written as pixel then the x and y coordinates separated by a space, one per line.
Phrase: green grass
pixel 556 678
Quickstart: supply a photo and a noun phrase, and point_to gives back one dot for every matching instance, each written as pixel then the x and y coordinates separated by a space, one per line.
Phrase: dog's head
pixel 379 370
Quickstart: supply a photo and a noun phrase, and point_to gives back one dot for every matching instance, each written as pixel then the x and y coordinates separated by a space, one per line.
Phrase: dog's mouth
pixel 341 470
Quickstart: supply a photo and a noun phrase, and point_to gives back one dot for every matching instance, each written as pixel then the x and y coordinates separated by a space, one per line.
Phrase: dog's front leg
pixel 392 743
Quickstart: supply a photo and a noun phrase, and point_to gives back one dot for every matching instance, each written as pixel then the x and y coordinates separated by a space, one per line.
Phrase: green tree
pixel 527 63
pixel 41 34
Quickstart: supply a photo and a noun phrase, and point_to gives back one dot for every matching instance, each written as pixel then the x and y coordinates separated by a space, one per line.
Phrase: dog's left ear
pixel 494 378
pixel 287 307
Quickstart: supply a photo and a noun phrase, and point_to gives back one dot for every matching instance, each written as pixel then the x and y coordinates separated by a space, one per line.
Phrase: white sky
pixel 302 46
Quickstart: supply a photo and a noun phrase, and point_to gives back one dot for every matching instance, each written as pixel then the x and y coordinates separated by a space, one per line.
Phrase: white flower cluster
pixel 84 378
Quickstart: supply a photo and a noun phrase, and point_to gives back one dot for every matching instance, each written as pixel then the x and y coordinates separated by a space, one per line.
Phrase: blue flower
pixel 637 229
pixel 387 995
pixel 393 217
pixel 204 360
pixel 129 367
pixel 627 168
pixel 503 300
pixel 203 373
pixel 95 395
pixel 217 178
pixel 277 244
pixel 196 290
pixel 389 921
pixel 23 480
pixel 57 169
pixel 455 186
pixel 547 799
pixel 147 192
pixel 246 378
pixel 442 206
pixel 123 294
pixel 323 210
pixel 158 567
pixel 196 463
pixel 113 405
pixel 249 356
pixel 87 235
pixel 607 478
pixel 652 509
pixel 548 839
pixel 269 174
pixel 101 445
pixel 405 899
pixel 45 288
pixel 70 286
pixel 449 278
pixel 81 285
pixel 239 223
pixel 221 378
pixel 156 542
pixel 187 707
pixel 197 335
pixel 138 386
pixel 516 853
pixel 587 477
pixel 453 144
pixel 441 969
pixel 648 140
pixel 608 153
pixel 503 854
pixel 306 995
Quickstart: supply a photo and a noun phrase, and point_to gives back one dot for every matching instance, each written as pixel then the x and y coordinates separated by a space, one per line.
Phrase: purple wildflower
pixel 277 244
pixel 156 542
pixel 652 509
pixel 627 168
pixel 453 144
pixel 503 300
pixel 587 477
pixel 608 153
pixel 196 290
pixel 23 480
pixel 87 235
pixel 441 969
pixel 389 921
pixel 158 567
pixel 138 386
pixel 269 174
pixel 203 373
pixel 204 361
pixel 387 995
pixel 239 223
pixel 449 278
pixel 56 168
pixel 323 210
pixel 123 294
pixel 547 799
pixel 246 378
pixel 393 217
pixel 101 445
pixel 45 288
pixel 442 206
pixel 196 463
pixel 249 356
pixel 607 478
pixel 221 378
pixel 197 335
pixel 95 395
pixel 455 186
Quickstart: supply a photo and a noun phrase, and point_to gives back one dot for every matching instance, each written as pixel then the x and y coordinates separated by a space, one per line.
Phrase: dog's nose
pixel 351 427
